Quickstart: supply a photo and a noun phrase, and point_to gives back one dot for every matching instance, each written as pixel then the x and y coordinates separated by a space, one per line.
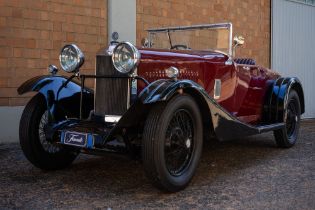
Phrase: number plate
pixel 75 139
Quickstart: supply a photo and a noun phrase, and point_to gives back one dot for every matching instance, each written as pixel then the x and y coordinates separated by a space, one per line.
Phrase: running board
pixel 271 127
pixel 226 126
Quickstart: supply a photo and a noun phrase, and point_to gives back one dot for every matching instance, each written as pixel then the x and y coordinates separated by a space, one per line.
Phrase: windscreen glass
pixel 192 39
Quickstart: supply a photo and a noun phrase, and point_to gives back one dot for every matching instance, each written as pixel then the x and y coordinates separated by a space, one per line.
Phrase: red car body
pixel 243 86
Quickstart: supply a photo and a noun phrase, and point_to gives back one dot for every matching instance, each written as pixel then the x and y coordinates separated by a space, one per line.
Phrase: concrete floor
pixel 250 173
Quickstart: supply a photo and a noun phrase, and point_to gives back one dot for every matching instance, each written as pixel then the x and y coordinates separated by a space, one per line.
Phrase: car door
pixel 248 97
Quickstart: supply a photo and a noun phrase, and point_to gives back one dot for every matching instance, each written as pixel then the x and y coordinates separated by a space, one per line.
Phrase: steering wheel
pixel 180 47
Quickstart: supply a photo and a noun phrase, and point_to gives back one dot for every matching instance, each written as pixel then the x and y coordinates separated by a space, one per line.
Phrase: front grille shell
pixel 112 95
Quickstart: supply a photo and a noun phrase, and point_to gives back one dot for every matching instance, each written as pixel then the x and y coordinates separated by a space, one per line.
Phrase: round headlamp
pixel 126 57
pixel 71 58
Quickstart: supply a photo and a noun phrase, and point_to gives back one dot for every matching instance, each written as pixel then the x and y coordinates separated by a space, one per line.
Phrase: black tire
pixel 44 155
pixel 288 136
pixel 156 145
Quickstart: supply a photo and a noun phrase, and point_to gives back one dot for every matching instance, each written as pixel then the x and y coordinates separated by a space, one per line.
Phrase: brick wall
pixel 32 33
pixel 250 18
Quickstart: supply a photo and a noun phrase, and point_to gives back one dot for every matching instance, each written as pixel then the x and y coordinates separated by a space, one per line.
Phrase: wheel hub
pixel 291 118
pixel 188 143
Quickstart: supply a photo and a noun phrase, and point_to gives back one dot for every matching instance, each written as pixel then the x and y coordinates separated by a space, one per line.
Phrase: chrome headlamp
pixel 126 58
pixel 71 58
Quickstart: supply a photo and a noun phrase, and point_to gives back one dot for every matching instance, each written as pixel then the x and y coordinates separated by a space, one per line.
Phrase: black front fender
pixel 62 96
pixel 163 90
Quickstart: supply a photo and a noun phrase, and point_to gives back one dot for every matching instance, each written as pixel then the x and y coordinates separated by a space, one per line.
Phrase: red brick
pixel 44 15
pixel 17 52
pixel 6 11
pixel 3 21
pixel 3 82
pixel 16 82
pixel 33 31
pixel 38 24
pixel 31 14
pixel 45 35
pixel 17 13
pixel 58 44
pixel 58 36
pixel 3 62
pixel 44 44
pixel 4 101
pixel 19 42
pixel 57 26
pixel 17 62
pixel 20 101
pixel 7 92
pixel 31 53
pixel 6 52
pixel 14 22
pixel 44 53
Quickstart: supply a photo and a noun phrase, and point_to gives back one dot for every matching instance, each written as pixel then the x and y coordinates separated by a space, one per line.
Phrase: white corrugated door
pixel 293 45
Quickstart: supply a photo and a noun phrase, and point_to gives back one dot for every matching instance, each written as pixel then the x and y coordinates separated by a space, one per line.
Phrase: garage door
pixel 293 44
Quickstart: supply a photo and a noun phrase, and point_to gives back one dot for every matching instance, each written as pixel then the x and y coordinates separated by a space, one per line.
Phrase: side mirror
pixel 238 41
pixel 145 42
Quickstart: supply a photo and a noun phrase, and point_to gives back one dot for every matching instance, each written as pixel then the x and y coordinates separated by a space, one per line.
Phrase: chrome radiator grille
pixel 111 94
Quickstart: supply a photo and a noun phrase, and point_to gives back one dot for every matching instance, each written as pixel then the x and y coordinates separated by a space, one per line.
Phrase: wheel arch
pixel 205 112
pixel 276 99
pixel 62 95
pixel 164 90
pixel 299 89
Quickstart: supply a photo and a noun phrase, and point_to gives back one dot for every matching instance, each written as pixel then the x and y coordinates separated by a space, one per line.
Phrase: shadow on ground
pixel 246 173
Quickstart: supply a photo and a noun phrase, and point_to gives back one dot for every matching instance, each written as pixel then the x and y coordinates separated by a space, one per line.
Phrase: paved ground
pixel 247 174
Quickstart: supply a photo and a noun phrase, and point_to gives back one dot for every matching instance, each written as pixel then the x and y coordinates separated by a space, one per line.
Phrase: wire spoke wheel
pixel 172 143
pixel 47 146
pixel 179 143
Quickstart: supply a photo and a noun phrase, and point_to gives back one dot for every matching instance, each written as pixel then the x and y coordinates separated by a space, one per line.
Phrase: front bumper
pixel 89 135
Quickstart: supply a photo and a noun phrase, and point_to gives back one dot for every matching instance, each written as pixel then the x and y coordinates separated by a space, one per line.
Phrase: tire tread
pixel 30 143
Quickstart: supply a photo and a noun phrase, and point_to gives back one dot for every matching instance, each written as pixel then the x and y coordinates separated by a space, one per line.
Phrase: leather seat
pixel 247 61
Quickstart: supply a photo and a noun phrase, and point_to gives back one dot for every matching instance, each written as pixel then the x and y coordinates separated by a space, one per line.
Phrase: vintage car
pixel 157 102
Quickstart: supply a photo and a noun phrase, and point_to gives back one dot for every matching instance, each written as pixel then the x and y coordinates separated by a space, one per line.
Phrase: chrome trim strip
pixel 112 118
pixel 231 39
pixel 217 89
pixel 181 28
pixel 128 94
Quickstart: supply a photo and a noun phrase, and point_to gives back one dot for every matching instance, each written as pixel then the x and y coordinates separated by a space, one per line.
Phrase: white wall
pixel 293 46
pixel 122 19
pixel 9 123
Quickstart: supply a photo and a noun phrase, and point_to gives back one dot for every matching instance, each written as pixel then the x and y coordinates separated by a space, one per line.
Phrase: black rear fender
pixel 276 99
